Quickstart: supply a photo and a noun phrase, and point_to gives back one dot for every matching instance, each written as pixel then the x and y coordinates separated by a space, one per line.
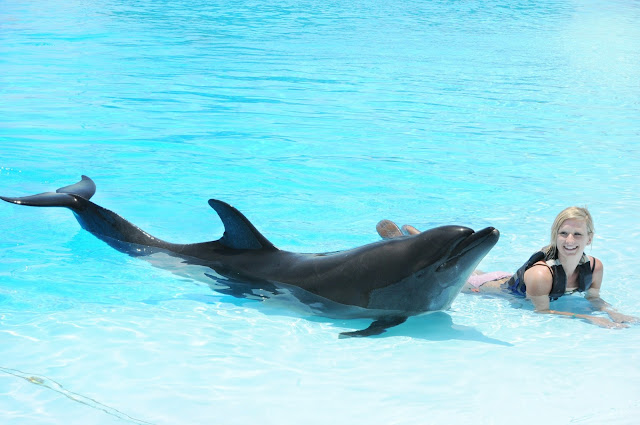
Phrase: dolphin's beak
pixel 487 237
pixel 475 239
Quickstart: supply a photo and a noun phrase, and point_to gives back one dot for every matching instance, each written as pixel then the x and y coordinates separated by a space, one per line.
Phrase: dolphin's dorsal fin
pixel 239 233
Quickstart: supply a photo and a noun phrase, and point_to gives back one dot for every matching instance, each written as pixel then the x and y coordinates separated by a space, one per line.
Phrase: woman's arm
pixel 593 295
pixel 538 280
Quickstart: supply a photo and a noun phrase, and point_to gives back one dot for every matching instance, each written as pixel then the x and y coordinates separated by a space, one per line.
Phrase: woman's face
pixel 572 238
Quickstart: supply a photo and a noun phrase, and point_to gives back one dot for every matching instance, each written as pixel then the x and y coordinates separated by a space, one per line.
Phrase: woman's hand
pixel 621 318
pixel 603 322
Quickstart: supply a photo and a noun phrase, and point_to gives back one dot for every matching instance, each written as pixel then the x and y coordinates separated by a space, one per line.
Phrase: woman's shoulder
pixel 596 264
pixel 538 279
pixel 539 271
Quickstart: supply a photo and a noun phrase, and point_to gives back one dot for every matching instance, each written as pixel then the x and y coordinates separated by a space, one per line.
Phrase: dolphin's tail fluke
pixel 101 222
pixel 85 188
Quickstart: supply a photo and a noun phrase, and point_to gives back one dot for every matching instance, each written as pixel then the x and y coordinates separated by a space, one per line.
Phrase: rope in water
pixel 53 385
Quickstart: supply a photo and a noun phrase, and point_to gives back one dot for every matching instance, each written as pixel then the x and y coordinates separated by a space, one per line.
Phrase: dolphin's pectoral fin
pixel 239 233
pixel 376 328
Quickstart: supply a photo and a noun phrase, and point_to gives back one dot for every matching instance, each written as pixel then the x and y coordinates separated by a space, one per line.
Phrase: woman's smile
pixel 573 237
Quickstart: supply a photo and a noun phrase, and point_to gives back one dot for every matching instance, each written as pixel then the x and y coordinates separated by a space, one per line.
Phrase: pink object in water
pixel 480 279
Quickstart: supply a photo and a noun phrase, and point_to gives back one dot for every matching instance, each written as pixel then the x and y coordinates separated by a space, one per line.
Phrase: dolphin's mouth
pixel 473 241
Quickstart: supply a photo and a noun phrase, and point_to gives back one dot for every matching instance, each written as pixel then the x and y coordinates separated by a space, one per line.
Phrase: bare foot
pixel 387 229
pixel 408 229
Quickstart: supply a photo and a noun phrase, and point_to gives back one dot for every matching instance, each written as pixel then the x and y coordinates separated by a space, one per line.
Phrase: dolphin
pixel 387 280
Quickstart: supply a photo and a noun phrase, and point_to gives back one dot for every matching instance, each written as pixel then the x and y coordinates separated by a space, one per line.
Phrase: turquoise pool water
pixel 316 119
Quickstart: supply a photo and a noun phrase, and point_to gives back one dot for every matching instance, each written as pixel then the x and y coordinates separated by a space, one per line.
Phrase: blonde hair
pixel 579 213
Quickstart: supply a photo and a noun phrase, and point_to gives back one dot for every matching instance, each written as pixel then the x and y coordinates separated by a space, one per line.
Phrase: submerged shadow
pixel 289 301
pixel 438 326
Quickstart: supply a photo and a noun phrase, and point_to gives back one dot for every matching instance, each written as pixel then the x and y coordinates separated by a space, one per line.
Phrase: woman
pixel 560 268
